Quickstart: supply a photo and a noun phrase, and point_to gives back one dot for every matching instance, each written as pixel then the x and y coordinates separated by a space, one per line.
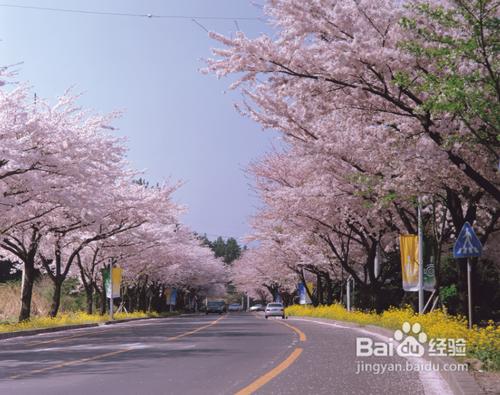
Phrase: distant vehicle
pixel 216 306
pixel 257 307
pixel 274 310
pixel 234 307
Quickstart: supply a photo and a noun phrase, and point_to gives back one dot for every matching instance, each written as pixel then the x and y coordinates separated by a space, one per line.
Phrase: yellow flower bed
pixel 63 319
pixel 482 343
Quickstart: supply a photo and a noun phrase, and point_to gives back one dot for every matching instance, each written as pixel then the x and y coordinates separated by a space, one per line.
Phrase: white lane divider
pixel 321 323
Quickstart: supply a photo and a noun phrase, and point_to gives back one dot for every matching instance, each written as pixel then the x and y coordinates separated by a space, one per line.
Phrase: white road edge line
pixel 433 382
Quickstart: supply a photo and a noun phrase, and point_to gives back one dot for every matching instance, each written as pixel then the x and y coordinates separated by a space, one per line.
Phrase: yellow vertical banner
pixel 408 245
pixel 117 281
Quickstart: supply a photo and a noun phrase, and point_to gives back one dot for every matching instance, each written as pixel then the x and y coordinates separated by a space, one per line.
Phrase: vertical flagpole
pixel 111 291
pixel 420 260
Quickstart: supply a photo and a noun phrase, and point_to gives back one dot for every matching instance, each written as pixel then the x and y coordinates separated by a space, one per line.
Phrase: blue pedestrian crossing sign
pixel 467 244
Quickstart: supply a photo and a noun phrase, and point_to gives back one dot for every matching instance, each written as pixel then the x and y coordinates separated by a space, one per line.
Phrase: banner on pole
pixel 408 245
pixel 117 280
pixel 171 296
pixel 429 276
pixel 303 296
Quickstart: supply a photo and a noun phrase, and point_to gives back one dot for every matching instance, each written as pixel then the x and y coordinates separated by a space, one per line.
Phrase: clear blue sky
pixel 179 123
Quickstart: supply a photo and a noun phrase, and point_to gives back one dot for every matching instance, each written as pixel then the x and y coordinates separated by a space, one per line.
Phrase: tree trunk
pixel 27 291
pixel 329 290
pixel 131 298
pixel 319 289
pixel 103 301
pixel 56 298
pixel 90 299
pixel 378 298
pixel 97 300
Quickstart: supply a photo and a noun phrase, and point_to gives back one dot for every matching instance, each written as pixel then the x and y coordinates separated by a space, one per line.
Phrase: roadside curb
pixel 31 332
pixel 460 383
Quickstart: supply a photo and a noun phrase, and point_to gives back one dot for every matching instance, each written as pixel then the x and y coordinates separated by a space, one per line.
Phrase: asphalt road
pixel 199 354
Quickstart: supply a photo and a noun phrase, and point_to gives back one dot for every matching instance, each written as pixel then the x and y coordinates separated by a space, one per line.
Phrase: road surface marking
pixel 36 343
pixel 90 330
pixel 433 382
pixel 322 323
pixel 195 330
pixel 121 326
pixel 108 354
pixel 302 335
pixel 70 363
pixel 262 380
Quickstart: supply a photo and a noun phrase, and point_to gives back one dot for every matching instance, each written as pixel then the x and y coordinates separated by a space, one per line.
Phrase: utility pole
pixel 420 260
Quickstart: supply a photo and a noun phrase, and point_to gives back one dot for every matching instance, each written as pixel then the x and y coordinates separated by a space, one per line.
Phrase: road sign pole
pixel 469 291
pixel 468 246
pixel 420 261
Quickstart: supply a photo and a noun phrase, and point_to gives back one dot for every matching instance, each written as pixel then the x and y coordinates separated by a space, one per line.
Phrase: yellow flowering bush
pixel 482 343
pixel 63 319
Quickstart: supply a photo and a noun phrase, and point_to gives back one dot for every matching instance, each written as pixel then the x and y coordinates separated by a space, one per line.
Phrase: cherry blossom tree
pixel 345 84
pixel 69 204
pixel 349 54
pixel 54 152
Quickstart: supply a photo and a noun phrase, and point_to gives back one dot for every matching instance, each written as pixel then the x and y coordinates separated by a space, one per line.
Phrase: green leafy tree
pixel 232 251
pixel 458 52
pixel 229 250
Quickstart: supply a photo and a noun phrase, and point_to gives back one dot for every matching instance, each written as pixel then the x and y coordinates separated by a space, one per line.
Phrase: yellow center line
pixel 70 363
pixel 60 339
pixel 262 380
pixel 195 330
pixel 302 335
pixel 108 354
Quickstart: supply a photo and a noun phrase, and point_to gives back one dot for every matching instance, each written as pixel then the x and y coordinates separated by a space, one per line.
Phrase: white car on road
pixel 274 310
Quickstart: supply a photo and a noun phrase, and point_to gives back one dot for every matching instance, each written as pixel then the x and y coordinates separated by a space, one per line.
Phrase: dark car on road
pixel 217 306
pixel 234 307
